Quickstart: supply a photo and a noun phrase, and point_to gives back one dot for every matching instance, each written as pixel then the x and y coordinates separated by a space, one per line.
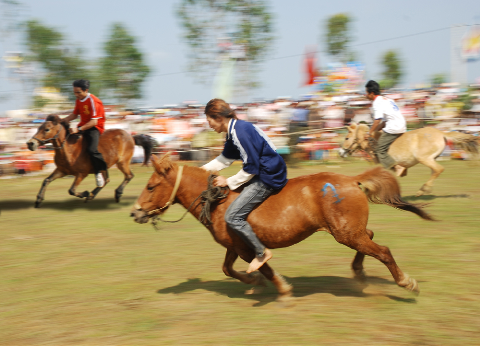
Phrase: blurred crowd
pixel 303 130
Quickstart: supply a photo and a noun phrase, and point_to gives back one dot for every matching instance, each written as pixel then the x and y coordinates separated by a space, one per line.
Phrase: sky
pixel 297 24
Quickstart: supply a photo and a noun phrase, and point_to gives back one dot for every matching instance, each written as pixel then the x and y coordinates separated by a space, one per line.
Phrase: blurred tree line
pixel 240 30
pixel 117 76
pixel 338 40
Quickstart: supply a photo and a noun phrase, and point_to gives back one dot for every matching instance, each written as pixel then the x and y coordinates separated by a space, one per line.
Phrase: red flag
pixel 310 70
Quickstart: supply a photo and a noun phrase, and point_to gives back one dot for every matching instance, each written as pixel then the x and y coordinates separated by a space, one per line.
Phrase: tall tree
pixel 61 63
pixel 392 73
pixel 233 29
pixel 123 69
pixel 338 35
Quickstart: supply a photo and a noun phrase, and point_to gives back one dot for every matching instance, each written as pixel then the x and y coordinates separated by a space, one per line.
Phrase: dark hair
pixel 83 84
pixel 218 108
pixel 373 87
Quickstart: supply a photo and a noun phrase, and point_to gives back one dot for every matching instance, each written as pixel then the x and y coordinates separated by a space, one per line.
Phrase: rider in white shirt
pixel 385 110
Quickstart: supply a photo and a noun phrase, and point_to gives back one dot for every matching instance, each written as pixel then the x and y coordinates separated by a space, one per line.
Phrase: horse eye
pixel 150 188
pixel 46 130
pixel 347 139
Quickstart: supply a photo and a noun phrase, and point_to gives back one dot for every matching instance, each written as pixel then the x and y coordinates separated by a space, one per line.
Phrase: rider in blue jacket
pixel 264 171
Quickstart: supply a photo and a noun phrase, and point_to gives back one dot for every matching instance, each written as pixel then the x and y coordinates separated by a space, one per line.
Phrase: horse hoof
pixel 286 300
pixel 254 290
pixel 37 204
pixel 419 193
pixel 360 275
pixel 258 279
pixel 412 286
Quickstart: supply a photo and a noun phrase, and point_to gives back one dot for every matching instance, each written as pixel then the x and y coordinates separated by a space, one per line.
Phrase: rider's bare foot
pixel 259 261
pixel 399 170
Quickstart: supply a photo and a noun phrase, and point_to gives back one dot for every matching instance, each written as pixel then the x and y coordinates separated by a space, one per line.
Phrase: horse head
pixel 160 191
pixel 48 131
pixel 355 139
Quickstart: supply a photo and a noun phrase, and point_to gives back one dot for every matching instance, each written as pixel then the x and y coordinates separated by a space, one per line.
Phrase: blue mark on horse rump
pixel 335 194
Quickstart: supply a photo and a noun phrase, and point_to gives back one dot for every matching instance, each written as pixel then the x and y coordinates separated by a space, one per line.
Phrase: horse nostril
pixel 132 214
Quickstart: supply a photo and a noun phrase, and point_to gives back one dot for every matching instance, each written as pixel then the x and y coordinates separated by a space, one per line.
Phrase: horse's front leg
pixel 41 194
pixel 78 179
pixel 256 279
pixel 283 287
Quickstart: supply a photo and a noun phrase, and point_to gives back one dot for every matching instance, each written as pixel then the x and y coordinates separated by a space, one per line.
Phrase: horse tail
pixel 381 187
pixel 465 141
pixel 148 143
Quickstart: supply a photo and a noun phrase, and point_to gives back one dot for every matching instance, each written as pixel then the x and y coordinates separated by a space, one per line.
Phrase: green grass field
pixel 75 273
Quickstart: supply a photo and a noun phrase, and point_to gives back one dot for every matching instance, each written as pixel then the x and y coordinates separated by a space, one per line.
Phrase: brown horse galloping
pixel 71 157
pixel 328 202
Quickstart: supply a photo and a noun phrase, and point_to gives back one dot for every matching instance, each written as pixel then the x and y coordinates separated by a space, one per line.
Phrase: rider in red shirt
pixel 92 122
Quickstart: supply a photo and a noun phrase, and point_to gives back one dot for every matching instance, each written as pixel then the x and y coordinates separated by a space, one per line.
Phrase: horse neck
pixel 194 182
pixel 63 149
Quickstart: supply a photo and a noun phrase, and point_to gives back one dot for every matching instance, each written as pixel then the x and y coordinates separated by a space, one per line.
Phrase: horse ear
pixel 352 126
pixel 163 164
pixel 156 162
pixel 53 118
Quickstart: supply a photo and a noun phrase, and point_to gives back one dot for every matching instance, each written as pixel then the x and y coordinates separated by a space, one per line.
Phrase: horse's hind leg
pixel 78 179
pixel 437 169
pixel 357 264
pixel 256 278
pixel 41 194
pixel 366 246
pixel 124 167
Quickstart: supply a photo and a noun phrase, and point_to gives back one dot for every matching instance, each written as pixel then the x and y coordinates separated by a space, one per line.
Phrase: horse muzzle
pixel 139 215
pixel 343 152
pixel 32 145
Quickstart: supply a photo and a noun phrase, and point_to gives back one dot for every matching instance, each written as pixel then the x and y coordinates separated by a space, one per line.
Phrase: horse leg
pixel 283 287
pixel 366 246
pixel 124 167
pixel 437 169
pixel 95 192
pixel 255 279
pixel 78 179
pixel 357 264
pixel 41 194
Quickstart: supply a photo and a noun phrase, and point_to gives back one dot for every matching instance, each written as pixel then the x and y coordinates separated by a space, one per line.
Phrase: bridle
pixel 349 150
pixel 42 142
pixel 170 200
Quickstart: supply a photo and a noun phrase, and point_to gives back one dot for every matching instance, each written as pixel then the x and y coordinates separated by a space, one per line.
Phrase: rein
pixel 209 196
pixel 372 143
pixel 349 149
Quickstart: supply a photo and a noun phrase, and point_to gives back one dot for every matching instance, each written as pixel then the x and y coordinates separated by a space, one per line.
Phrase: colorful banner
pixel 471 44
